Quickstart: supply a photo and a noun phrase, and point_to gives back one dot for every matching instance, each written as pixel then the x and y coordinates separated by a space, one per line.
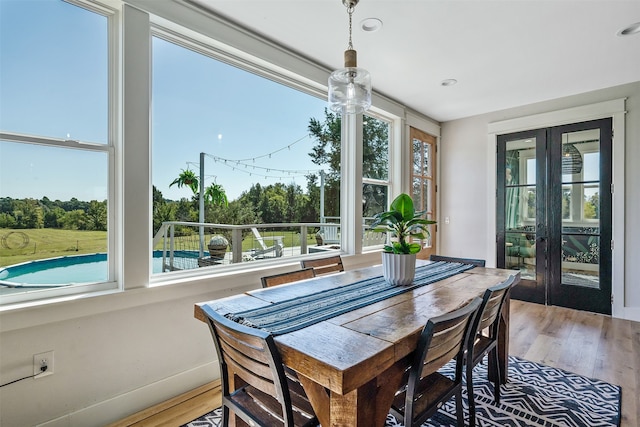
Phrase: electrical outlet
pixel 40 360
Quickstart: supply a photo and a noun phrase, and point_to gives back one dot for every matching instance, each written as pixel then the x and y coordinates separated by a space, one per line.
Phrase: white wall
pixel 468 178
pixel 115 354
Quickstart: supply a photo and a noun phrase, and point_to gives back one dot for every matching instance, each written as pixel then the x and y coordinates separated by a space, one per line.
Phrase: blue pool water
pixel 74 269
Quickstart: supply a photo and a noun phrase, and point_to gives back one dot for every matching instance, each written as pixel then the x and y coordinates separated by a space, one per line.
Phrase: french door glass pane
pixel 417 157
pixel 427 159
pixel 520 206
pixel 581 208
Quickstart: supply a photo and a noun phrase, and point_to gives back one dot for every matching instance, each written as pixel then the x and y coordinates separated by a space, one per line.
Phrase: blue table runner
pixel 297 313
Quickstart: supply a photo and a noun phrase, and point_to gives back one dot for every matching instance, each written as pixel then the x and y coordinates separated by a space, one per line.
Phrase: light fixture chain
pixel 350 11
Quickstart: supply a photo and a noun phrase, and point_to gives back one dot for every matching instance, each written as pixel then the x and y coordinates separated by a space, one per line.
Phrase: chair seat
pixel 481 346
pixel 432 388
pixel 265 409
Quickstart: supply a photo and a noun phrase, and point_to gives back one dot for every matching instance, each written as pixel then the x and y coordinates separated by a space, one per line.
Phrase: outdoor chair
pixel 425 389
pixel 255 384
pixel 476 262
pixel 330 235
pixel 327 265
pixel 275 250
pixel 484 339
pixel 288 277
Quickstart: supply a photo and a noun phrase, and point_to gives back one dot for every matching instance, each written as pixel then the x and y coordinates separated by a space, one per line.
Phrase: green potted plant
pixel 403 223
pixel 187 178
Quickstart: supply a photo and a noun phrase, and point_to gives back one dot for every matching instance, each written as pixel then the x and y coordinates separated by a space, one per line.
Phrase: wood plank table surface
pixel 351 365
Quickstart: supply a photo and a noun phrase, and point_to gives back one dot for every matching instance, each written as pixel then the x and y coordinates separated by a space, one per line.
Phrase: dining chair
pixel 484 339
pixel 425 390
pixel 288 277
pixel 325 265
pixel 256 386
pixel 476 262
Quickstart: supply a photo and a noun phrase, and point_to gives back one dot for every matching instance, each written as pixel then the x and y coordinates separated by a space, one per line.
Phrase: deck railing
pixel 184 245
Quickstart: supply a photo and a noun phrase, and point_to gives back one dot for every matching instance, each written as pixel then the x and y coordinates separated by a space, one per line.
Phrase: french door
pixel 423 183
pixel 554 214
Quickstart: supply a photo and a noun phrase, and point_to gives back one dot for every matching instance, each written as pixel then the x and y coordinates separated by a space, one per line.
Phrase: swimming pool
pixel 70 270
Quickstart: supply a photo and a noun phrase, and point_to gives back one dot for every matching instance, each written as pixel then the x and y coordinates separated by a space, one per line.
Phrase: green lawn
pixel 22 245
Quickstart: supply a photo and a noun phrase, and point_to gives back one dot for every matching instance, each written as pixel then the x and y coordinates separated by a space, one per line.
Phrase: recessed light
pixel 371 24
pixel 448 82
pixel 631 29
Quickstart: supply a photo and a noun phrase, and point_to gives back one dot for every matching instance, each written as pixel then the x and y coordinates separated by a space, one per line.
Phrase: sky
pixel 54 82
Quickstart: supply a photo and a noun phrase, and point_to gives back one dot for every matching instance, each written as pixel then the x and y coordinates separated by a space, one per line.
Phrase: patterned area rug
pixel 536 395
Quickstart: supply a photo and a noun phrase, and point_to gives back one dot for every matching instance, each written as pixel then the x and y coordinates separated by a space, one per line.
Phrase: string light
pixel 242 162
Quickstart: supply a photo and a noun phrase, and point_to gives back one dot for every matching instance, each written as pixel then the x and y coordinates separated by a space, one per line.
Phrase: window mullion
pixel 351 183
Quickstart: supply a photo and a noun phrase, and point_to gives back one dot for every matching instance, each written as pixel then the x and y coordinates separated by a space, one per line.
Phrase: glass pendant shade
pixel 350 90
pixel 350 87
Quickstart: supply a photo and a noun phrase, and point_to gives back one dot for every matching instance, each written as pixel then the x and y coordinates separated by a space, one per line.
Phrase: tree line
pixel 275 203
pixel 73 214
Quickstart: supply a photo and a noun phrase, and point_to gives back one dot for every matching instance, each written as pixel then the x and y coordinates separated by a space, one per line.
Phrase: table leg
pixel 366 406
pixel 319 398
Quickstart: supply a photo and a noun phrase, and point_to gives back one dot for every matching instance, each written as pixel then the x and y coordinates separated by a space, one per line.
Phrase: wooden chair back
pixel 484 339
pixel 255 384
pixel 472 261
pixel 492 302
pixel 288 277
pixel 327 265
pixel 444 338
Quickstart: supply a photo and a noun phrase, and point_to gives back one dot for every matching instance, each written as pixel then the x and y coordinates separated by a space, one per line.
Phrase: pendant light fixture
pixel 350 87
pixel 571 159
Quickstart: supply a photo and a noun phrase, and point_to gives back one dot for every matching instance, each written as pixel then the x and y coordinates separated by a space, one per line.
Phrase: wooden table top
pixel 347 351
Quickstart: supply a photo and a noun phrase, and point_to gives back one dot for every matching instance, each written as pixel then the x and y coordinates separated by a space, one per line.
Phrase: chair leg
pixel 470 395
pixel 493 355
pixel 459 411
pixel 225 416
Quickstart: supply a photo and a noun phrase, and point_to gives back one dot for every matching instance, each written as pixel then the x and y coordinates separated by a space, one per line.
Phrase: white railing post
pixel 236 245
pixel 303 239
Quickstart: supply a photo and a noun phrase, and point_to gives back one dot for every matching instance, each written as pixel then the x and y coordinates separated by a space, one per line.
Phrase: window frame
pixel 110 10
pixel 387 183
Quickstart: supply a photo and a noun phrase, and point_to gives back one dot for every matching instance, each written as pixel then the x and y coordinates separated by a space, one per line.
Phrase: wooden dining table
pixel 351 365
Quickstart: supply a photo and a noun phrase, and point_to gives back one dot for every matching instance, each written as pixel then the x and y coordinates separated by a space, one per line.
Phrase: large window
pixel 256 140
pixel 256 150
pixel 55 149
pixel 375 174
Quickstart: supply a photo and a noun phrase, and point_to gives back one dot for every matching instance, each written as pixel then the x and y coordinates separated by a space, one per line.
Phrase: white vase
pixel 398 269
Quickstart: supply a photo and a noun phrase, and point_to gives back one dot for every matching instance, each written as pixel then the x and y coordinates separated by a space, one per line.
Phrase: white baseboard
pixel 631 313
pixel 121 406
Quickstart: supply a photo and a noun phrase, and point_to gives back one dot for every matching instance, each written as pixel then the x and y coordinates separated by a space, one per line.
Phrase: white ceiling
pixel 503 53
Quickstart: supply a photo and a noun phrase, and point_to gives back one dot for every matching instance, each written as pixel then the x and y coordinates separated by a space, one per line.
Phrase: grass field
pixel 21 245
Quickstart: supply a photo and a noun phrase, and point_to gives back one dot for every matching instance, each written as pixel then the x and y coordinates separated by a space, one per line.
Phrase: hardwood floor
pixel 588 344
